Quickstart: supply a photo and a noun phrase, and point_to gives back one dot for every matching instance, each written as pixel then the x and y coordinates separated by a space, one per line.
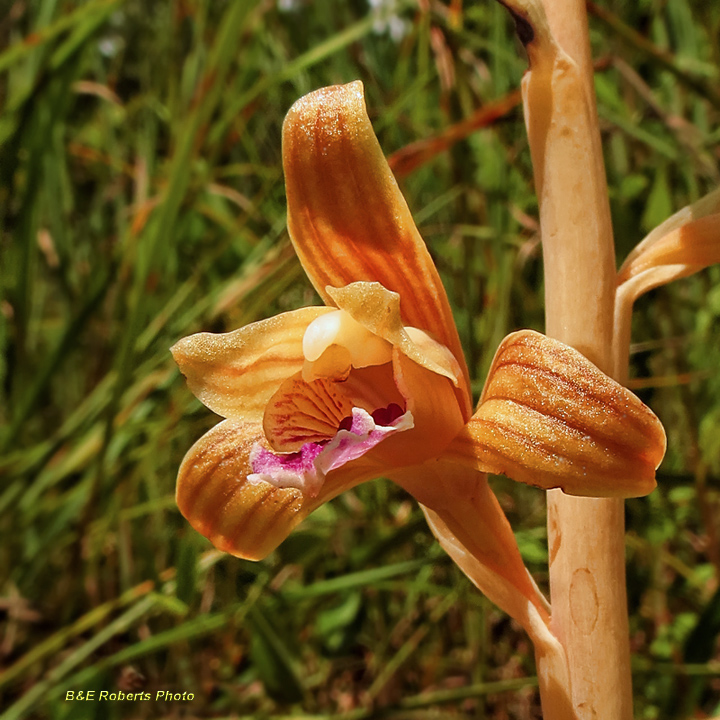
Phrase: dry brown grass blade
pixel 415 155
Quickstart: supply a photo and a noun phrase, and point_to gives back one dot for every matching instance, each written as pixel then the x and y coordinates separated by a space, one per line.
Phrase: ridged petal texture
pixel 244 518
pixel 347 217
pixel 548 417
pixel 213 493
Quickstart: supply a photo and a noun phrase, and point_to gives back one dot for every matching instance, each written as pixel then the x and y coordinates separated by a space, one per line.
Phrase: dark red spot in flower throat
pixel 384 416
pixel 381 416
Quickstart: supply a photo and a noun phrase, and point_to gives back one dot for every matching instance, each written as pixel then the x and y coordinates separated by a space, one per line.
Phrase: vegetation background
pixel 141 199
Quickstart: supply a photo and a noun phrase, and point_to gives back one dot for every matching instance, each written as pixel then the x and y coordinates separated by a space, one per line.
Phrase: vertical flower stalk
pixel 588 306
pixel 585 536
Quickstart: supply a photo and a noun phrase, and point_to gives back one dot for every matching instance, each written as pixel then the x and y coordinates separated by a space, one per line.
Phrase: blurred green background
pixel 141 199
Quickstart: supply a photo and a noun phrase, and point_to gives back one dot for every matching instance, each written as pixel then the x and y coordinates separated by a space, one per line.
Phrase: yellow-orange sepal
pixel 347 217
pixel 236 373
pixel 548 417
pixel 241 517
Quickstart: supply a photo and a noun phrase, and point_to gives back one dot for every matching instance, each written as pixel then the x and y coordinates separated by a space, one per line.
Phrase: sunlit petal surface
pixel 347 217
pixel 246 516
pixel 236 373
pixel 549 417
pixel 245 519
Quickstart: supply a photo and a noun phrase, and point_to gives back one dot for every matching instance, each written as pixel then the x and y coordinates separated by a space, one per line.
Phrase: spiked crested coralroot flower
pixel 320 399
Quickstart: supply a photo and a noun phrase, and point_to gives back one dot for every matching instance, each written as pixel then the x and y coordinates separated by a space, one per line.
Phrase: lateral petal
pixel 236 373
pixel 347 217
pixel 548 417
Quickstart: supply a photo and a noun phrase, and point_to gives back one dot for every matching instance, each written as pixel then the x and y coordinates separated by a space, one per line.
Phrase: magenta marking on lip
pixel 306 468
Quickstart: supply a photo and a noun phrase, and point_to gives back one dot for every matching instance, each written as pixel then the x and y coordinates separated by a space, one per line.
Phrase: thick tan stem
pixel 587 585
pixel 586 536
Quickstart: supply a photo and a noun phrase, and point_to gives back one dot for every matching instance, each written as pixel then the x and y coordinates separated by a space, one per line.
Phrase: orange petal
pixel 245 519
pixel 240 517
pixel 347 217
pixel 549 417
pixel 464 511
pixel 437 417
pixel 236 373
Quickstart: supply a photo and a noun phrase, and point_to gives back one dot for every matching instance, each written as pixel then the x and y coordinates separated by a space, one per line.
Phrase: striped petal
pixel 245 519
pixel 240 516
pixel 549 417
pixel 236 373
pixel 347 217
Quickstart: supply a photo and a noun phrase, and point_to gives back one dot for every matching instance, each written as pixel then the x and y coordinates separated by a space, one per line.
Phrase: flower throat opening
pixel 382 416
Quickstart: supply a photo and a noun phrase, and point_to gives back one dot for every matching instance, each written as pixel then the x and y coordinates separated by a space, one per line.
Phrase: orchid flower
pixel 374 383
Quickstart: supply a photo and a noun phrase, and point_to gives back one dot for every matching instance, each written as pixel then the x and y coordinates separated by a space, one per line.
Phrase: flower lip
pixel 306 469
